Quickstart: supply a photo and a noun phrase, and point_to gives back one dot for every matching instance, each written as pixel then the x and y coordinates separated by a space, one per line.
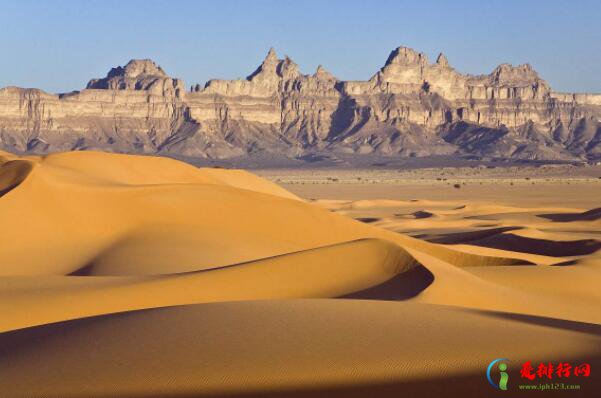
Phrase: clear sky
pixel 59 45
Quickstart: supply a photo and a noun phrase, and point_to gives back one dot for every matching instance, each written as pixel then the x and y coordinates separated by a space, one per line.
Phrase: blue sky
pixel 59 45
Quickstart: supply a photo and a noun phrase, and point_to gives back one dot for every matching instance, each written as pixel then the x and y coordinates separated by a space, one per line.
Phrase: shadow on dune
pixel 590 215
pixel 367 220
pixel 418 215
pixel 498 238
pixel 13 173
pixel 422 214
pixel 540 246
pixel 402 287
pixel 472 385
pixel 463 237
pixel 564 324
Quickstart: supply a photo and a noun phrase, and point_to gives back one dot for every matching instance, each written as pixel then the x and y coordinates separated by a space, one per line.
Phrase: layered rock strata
pixel 410 107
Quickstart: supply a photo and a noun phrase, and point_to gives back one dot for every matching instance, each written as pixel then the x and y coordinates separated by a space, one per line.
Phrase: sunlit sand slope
pixel 287 348
pixel 329 271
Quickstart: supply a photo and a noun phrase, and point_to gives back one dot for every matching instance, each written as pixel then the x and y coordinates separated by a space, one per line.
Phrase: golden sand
pixel 144 276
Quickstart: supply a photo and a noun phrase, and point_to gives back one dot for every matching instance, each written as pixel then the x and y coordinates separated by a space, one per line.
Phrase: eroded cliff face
pixel 411 107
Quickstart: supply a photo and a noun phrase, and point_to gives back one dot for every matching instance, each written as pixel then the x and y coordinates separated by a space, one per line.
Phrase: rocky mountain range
pixel 409 108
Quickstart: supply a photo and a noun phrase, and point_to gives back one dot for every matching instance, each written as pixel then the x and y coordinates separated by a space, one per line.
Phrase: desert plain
pixel 141 276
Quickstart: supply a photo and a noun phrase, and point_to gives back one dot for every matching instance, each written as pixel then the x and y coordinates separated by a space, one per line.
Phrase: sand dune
pixel 108 224
pixel 143 276
pixel 322 272
pixel 287 348
pixel 590 215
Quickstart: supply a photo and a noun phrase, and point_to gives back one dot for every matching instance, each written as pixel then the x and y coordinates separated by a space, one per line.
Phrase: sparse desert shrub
pixel 456 186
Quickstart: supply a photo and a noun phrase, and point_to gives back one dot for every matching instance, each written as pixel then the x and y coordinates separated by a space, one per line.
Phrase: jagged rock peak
pixel 271 57
pixel 288 62
pixel 406 56
pixel 134 69
pixel 273 68
pixel 139 74
pixel 287 68
pixel 138 67
pixel 322 74
pixel 268 66
pixel 506 74
pixel 442 61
